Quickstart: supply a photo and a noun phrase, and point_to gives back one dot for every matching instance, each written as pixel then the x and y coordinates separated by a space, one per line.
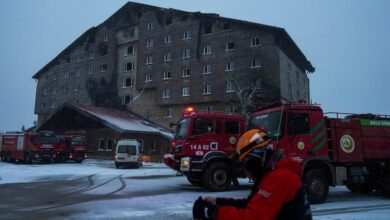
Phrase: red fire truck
pixel 28 147
pixel 71 147
pixel 335 149
pixel 202 147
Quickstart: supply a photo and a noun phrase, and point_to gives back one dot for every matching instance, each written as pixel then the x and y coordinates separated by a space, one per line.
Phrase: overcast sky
pixel 347 41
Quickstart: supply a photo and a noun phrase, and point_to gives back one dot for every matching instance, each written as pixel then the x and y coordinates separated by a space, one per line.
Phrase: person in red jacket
pixel 277 192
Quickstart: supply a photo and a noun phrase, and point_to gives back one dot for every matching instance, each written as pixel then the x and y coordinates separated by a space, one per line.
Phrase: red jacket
pixel 277 188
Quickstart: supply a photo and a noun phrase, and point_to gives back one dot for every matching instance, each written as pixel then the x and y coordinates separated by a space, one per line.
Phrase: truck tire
pixel 386 182
pixel 217 177
pixel 27 158
pixel 316 186
pixel 3 157
pixel 8 157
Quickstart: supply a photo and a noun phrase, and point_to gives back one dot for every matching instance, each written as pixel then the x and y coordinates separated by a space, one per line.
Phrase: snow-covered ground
pixel 96 190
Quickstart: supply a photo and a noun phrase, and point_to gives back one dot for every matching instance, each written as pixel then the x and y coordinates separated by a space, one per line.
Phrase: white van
pixel 128 153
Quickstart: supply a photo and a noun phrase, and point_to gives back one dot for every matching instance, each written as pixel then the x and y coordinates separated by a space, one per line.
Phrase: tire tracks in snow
pixel 349 210
pixel 69 199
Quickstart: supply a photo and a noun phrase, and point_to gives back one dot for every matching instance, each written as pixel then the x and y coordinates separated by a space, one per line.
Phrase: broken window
pixel 129 66
pixel 129 50
pixel 102 49
pixel 128 82
pixel 207 28
pixel 168 20
pixel 226 26
pixel 230 45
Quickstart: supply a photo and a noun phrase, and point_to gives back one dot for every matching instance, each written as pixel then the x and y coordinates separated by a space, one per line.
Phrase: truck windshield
pixel 129 149
pixel 43 139
pixel 182 128
pixel 269 122
pixel 78 142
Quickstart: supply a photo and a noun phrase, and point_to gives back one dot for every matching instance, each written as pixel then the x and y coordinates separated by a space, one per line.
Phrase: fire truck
pixel 334 148
pixel 202 147
pixel 27 146
pixel 70 147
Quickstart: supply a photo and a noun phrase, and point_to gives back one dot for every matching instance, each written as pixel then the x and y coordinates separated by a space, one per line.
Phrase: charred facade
pixel 155 61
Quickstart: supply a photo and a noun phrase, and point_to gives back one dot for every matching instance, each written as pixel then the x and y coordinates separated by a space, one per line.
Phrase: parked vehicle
pixel 28 146
pixel 71 147
pixel 128 153
pixel 202 147
pixel 336 149
pixel 346 149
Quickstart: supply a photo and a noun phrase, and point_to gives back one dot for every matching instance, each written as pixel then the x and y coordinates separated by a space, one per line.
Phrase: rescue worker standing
pixel 277 193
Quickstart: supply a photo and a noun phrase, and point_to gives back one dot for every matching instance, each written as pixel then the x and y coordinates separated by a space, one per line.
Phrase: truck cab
pixel 299 130
pixel 71 147
pixel 203 146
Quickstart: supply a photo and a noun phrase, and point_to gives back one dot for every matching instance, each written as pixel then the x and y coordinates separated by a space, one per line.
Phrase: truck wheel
pixel 217 177
pixel 3 157
pixel 194 180
pixel 8 157
pixel 386 182
pixel 316 185
pixel 27 158
pixel 116 165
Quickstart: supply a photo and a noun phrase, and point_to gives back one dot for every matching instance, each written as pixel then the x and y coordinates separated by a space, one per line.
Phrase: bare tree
pixel 251 94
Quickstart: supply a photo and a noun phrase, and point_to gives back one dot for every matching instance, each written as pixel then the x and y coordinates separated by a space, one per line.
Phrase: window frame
pixel 207 90
pixel 230 66
pixel 255 42
pixel 186 72
pixel 185 92
pixel 166 75
pixel 166 93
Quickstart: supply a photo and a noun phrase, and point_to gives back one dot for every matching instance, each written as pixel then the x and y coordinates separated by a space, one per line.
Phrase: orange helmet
pixel 251 140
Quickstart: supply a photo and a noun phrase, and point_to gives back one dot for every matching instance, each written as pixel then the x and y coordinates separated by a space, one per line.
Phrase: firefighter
pixel 277 192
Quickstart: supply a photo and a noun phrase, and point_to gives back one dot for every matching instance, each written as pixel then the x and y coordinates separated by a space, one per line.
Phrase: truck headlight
pixel 185 164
